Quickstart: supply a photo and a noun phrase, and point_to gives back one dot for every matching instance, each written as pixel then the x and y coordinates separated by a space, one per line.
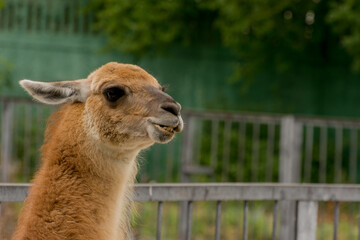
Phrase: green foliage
pixel 140 27
pixel 345 19
pixel 262 34
pixel 277 34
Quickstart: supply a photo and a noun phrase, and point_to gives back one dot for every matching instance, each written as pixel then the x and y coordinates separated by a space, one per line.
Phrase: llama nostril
pixel 171 108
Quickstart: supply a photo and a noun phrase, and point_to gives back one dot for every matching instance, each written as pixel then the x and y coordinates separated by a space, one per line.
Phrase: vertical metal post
pixel 198 142
pixel 270 152
pixel 255 153
pixel 218 220
pixel 275 217
pixel 159 222
pixel 186 159
pixel 241 150
pixel 323 154
pixel 290 155
pixel 170 162
pixel 214 145
pixel 338 154
pixel 309 153
pixel 307 220
pixel 353 155
pixel 189 220
pixel 6 140
pixel 187 147
pixel 226 151
pixel 336 220
pixel 245 223
pixel 359 223
pixel 39 134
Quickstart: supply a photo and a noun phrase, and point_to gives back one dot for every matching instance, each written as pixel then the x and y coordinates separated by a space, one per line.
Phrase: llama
pixel 82 188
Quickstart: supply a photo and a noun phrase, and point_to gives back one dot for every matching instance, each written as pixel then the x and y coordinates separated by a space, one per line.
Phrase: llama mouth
pixel 165 128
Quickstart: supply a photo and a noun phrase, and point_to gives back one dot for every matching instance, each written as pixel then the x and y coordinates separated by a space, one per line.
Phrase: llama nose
pixel 173 108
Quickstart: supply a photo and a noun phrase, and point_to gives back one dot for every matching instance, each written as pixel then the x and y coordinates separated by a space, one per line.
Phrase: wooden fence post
pixel 306 220
pixel 6 139
pixel 289 172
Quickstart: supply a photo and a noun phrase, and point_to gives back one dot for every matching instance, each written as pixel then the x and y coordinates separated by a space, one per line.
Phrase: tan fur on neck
pixel 80 173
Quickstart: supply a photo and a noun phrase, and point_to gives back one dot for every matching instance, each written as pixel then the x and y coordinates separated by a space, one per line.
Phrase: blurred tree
pixel 344 16
pixel 262 34
pixel 140 27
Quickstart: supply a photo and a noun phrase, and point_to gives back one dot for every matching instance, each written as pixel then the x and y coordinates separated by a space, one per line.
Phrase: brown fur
pixel 89 160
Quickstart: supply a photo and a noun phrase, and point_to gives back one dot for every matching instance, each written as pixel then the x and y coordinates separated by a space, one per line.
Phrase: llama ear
pixel 58 92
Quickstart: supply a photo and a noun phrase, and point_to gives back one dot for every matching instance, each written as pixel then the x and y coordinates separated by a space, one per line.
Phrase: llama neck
pixel 107 181
pixel 81 190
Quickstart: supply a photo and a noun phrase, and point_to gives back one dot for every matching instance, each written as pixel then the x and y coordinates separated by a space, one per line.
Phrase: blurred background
pixel 269 89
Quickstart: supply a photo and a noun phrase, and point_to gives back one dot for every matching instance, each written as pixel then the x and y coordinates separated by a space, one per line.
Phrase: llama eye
pixel 112 94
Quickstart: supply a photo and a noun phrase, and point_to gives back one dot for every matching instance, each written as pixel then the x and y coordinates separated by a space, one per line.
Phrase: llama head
pixel 124 105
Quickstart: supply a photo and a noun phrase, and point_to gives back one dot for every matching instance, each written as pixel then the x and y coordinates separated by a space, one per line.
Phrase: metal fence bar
pixel 359 223
pixel 275 217
pixel 245 221
pixel 156 157
pixel 170 153
pixel 270 152
pixel 323 154
pixel 255 153
pixel 39 134
pixel 27 142
pixel 220 192
pixel 15 132
pixel 159 221
pixel 338 154
pixel 353 155
pixel 187 147
pixel 198 142
pixel 186 160
pixel 241 150
pixel 226 151
pixel 214 143
pixel 6 139
pixel 218 220
pixel 336 220
pixel 308 152
pixel 189 220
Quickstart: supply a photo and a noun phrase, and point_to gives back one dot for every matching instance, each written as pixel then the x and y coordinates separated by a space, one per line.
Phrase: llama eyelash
pixel 164 88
